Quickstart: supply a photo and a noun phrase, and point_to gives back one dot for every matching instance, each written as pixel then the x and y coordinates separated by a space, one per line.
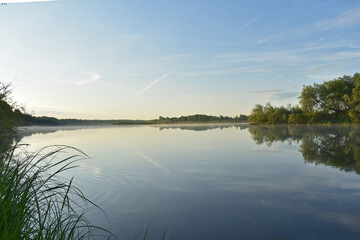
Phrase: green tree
pixel 9 116
pixel 333 97
pixel 258 115
pixel 335 101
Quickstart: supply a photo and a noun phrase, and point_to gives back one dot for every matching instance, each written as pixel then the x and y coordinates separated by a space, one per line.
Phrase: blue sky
pixel 143 59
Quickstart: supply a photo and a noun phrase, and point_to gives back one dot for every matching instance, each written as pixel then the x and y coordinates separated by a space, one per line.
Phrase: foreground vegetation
pixel 335 101
pixel 36 203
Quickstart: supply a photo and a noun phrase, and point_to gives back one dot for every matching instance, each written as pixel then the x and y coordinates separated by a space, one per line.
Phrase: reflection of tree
pixel 9 139
pixel 337 146
pixel 271 134
pixel 204 127
pixel 5 144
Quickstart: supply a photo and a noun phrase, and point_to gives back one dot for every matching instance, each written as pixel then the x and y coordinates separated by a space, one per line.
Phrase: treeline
pixel 29 120
pixel 11 116
pixel 197 118
pixel 335 101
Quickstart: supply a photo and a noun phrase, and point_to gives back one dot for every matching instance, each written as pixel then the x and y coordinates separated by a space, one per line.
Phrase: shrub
pixel 297 118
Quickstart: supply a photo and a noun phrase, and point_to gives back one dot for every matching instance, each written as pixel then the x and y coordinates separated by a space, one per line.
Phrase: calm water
pixel 219 182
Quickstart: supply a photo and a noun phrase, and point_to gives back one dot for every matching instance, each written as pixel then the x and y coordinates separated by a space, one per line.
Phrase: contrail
pixel 253 221
pixel 153 83
pixel 249 23
pixel 153 162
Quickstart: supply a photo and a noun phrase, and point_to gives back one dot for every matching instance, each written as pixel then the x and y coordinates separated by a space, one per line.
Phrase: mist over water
pixel 218 181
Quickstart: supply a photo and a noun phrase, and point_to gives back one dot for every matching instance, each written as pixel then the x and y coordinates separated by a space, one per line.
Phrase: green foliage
pixel 331 96
pixel 35 203
pixel 297 118
pixel 275 115
pixel 9 115
pixel 257 115
pixel 335 101
pixel 309 98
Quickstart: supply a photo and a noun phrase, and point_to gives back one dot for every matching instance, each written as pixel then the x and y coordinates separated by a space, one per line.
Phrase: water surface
pixel 218 182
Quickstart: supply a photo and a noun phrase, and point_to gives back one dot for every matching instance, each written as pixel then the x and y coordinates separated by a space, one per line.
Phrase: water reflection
pixel 29 131
pixel 204 127
pixel 336 146
pixel 6 143
pixel 213 182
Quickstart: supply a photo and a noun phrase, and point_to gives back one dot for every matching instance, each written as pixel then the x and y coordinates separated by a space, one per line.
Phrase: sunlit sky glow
pixel 144 59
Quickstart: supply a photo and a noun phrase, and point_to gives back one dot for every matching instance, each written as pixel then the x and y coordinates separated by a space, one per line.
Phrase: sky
pixel 115 59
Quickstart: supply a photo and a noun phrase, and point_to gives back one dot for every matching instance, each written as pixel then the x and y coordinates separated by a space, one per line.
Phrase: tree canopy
pixel 334 101
pixel 9 114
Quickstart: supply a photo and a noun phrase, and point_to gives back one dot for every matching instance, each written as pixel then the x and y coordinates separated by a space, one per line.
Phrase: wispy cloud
pixel 323 67
pixel 152 84
pixel 156 164
pixel 249 23
pixel 110 29
pixel 128 37
pixel 348 18
pixel 280 56
pixel 175 56
pixel 283 95
pixel 264 92
pixel 28 1
pixel 276 94
pixel 305 56
pixel 221 69
pixel 88 78
pixel 325 77
pixel 264 40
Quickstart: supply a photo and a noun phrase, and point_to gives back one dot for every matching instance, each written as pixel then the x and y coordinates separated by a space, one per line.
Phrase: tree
pixel 8 117
pixel 332 96
pixel 335 101
pixel 353 100
pixel 258 115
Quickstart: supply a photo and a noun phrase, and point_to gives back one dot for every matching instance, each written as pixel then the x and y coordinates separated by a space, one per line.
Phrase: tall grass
pixel 36 202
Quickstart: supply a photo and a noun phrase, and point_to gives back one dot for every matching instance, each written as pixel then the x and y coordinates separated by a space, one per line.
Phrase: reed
pixel 36 202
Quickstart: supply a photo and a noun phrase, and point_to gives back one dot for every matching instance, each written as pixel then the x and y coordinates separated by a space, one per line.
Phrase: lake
pixel 217 181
